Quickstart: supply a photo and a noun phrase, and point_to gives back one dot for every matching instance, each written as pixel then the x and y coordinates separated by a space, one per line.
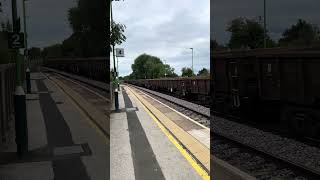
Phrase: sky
pixel 47 20
pixel 280 15
pixel 166 29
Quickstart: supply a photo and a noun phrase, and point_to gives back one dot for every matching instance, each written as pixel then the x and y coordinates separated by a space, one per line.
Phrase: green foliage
pixel 148 67
pixel 203 72
pixel 300 34
pixel 169 71
pixel 129 77
pixel 187 72
pixel 116 35
pixel 215 46
pixel 89 25
pixel 247 33
pixel 52 51
pixel 88 21
pixel 34 53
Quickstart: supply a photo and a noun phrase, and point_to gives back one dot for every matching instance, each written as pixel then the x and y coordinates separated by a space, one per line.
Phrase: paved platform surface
pixel 63 142
pixel 138 147
pixel 193 136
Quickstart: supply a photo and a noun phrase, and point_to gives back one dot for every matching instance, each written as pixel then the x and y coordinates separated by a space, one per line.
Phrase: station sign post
pixel 15 42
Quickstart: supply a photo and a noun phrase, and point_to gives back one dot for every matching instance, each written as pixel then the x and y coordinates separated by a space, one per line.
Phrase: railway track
pixel 274 128
pixel 95 102
pixel 257 163
pixel 250 159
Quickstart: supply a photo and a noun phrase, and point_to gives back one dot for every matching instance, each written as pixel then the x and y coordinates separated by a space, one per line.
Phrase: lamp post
pixel 192 60
pixel 165 71
pixel 264 24
pixel 116 98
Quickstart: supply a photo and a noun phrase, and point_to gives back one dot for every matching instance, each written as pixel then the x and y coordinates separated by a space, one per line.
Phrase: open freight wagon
pixel 270 85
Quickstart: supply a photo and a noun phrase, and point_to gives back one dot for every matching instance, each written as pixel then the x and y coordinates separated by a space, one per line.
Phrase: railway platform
pixel 149 140
pixel 67 134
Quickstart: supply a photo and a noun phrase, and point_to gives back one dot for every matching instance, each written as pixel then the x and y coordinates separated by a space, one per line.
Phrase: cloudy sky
pixel 166 29
pixel 47 21
pixel 280 14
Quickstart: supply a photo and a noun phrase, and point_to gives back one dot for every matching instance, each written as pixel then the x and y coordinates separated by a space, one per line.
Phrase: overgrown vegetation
pixel 88 22
pixel 249 34
pixel 148 67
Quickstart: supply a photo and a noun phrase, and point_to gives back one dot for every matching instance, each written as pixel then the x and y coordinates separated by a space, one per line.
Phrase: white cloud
pixel 166 29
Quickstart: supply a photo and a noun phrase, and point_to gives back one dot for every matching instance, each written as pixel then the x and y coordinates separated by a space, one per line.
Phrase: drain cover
pixel 67 150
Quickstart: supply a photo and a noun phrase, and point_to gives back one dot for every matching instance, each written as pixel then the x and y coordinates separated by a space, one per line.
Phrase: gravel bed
pixel 253 163
pixel 195 116
pixel 281 147
pixel 195 107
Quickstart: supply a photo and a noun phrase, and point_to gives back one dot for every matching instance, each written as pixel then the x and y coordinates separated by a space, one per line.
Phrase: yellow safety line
pixel 86 116
pixel 184 152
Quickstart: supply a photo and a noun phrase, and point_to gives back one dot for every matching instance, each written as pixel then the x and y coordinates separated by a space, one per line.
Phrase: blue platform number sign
pixel 15 40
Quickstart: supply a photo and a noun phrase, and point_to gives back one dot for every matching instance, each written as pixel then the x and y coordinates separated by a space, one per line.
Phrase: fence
pixel 7 87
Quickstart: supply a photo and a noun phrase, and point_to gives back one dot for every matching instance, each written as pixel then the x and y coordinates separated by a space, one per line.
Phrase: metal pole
pixel 165 71
pixel 118 66
pixel 118 72
pixel 28 81
pixel 25 25
pixel 113 54
pixel 265 24
pixel 21 127
pixel 192 60
pixel 114 68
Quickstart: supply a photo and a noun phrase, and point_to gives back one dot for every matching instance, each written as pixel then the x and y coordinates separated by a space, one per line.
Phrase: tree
pixel 169 71
pixel 247 33
pixel 187 72
pixel 148 67
pixel 88 22
pixel 117 36
pixel 214 45
pixel 203 72
pixel 34 53
pixel 300 34
pixel 52 51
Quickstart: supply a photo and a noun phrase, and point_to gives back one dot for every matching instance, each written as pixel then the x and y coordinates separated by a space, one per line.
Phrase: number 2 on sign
pixel 16 39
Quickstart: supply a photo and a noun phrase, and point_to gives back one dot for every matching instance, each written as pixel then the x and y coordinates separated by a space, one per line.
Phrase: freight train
pixel 95 68
pixel 281 85
pixel 195 89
